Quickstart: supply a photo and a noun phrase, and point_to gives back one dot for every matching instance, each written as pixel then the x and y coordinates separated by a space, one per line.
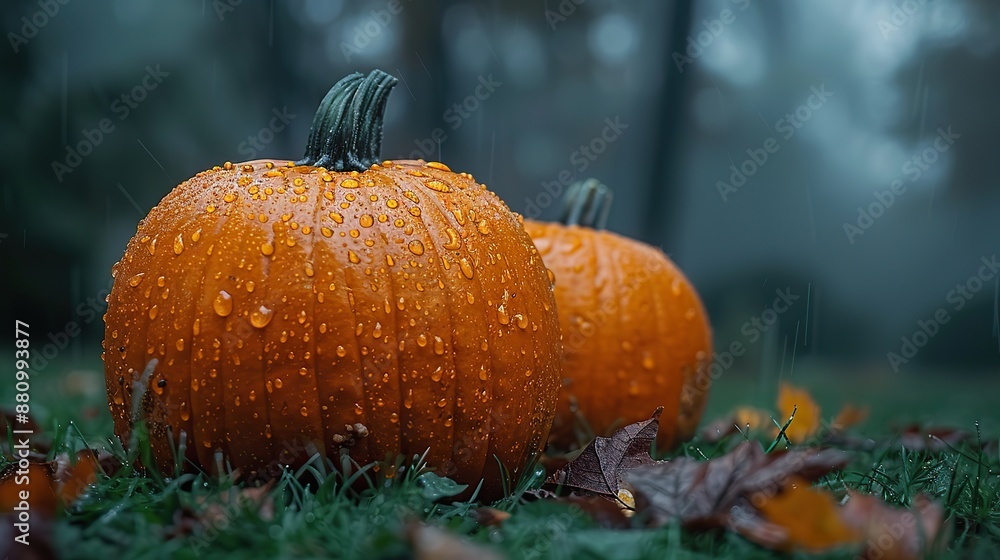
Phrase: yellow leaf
pixel 811 519
pixel 807 413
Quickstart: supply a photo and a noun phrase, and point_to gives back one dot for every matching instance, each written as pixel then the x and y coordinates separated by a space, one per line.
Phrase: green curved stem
pixel 587 203
pixel 346 133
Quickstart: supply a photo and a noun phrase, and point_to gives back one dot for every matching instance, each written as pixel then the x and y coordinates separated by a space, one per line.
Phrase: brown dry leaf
pixel 848 416
pixel 703 493
pixel 72 479
pixel 895 533
pixel 807 413
pixel 431 543
pixel 602 464
pixel 37 480
pixel 804 518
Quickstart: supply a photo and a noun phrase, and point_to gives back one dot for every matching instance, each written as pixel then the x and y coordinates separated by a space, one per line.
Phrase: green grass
pixel 318 514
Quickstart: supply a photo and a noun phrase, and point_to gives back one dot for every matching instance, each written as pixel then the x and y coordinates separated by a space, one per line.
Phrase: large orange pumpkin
pixel 634 330
pixel 335 303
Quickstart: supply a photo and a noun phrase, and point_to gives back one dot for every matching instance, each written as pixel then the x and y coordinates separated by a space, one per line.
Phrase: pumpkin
pixel 635 333
pixel 335 303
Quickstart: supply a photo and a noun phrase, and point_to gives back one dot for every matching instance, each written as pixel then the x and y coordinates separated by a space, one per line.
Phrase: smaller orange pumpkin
pixel 635 333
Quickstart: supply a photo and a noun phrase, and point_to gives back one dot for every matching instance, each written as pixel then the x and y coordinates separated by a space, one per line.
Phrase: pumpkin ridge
pixel 676 378
pixel 400 409
pixel 195 441
pixel 448 218
pixel 265 264
pixel 533 390
pixel 431 247
pixel 190 443
pixel 315 218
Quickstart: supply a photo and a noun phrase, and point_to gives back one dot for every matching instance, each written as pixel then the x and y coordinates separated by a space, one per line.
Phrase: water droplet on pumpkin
pixel 341 351
pixel 454 241
pixel 467 270
pixel 675 287
pixel 309 270
pixel 353 257
pixel 421 340
pixel 437 165
pixel 349 184
pixel 223 304
pixel 267 248
pixel 416 247
pixel 483 226
pixel 502 316
pixel 437 374
pixel 261 317
pixel 436 185
pixel 521 320
pixel 438 345
pixel 153 311
pixel 690 314
pixel 377 331
pixel 136 280
pixel 366 220
pixel 179 244
pixel 336 217
pixel 648 361
pixel 442 403
pixel 152 246
pixel 278 383
pixel 327 232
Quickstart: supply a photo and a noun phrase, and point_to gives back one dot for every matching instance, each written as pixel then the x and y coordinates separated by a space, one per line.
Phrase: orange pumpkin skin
pixel 635 334
pixel 293 309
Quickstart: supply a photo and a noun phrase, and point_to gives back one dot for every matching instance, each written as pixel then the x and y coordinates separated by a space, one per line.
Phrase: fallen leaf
pixel 34 478
pixel 603 463
pixel 933 439
pixel 807 413
pixel 431 543
pixel 744 418
pixel 489 516
pixel 848 416
pixel 805 518
pixel 702 493
pixel 604 512
pixel 747 417
pixel 221 509
pixel 892 533
pixel 72 479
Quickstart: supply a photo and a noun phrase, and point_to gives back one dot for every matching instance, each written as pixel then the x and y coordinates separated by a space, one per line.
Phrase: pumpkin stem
pixel 346 133
pixel 587 203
